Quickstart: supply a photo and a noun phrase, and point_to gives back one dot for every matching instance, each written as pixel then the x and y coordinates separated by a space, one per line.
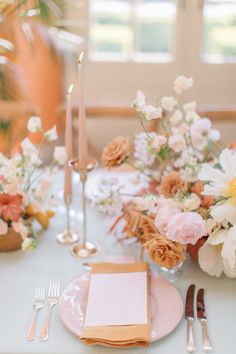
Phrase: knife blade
pixel 189 315
pixel 201 314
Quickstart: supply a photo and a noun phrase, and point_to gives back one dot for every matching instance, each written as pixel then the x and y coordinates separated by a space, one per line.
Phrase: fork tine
pixel 43 295
pixel 58 289
pixel 36 294
pixel 50 289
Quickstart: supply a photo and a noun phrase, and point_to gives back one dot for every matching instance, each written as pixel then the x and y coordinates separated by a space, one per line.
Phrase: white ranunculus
pixel 34 124
pixel 177 143
pixel 152 112
pixel 60 155
pixel 190 107
pixel 51 134
pixel 182 83
pixel 168 103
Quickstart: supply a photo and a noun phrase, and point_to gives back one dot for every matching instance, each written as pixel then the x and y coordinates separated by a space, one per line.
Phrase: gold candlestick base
pixel 67 236
pixel 84 249
pixel 81 250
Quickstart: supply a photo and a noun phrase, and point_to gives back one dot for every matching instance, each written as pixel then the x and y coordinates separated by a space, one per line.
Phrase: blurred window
pixel 132 29
pixel 219 31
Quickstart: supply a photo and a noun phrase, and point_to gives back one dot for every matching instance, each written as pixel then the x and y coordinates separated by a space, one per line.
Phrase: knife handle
pixel 206 344
pixel 191 348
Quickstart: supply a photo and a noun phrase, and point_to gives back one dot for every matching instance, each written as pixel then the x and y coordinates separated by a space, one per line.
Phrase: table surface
pixel 21 273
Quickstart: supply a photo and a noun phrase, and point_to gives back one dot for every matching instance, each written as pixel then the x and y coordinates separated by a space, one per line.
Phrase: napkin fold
pixel 126 336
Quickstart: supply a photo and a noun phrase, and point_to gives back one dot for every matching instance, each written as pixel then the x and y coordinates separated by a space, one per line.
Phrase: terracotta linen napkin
pixel 120 336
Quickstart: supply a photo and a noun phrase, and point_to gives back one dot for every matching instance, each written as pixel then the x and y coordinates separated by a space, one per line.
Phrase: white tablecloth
pixel 21 273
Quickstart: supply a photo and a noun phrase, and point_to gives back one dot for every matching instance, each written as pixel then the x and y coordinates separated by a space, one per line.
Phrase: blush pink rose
pixel 186 227
pixel 163 216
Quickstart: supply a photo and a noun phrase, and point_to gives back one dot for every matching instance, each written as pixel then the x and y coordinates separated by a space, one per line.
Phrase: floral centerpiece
pixel 25 194
pixel 189 203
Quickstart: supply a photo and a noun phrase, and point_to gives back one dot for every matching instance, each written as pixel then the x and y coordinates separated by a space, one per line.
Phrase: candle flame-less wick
pixel 81 57
pixel 70 89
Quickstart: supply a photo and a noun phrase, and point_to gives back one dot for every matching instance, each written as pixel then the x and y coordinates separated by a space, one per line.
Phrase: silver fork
pixel 53 297
pixel 37 305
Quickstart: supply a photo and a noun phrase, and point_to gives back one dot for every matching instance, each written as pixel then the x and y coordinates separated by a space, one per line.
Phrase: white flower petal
pixel 224 212
pixel 228 162
pixel 229 248
pixel 51 134
pixel 209 173
pixel 210 260
pixel 218 237
pixel 34 124
pixel 229 271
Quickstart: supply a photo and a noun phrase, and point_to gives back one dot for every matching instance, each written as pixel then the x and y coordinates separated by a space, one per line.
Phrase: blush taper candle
pixel 82 143
pixel 68 143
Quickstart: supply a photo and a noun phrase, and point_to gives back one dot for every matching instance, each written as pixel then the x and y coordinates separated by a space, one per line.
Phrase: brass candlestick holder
pixel 84 249
pixel 68 235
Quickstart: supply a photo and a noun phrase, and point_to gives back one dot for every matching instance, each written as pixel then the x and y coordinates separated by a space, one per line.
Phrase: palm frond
pixel 10 81
pixel 46 10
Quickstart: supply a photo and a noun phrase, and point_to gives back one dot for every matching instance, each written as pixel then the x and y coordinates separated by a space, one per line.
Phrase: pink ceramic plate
pixel 166 305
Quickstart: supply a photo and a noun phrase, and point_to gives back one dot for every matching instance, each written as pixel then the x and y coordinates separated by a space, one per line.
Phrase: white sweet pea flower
pixel 51 134
pixel 201 131
pixel 168 103
pixel 60 155
pixel 152 112
pixel 191 117
pixel 183 128
pixel 176 117
pixel 177 143
pixel 28 147
pixel 107 196
pixel 140 101
pixel 142 152
pixel 34 124
pixel 190 107
pixel 182 83
pixel 158 142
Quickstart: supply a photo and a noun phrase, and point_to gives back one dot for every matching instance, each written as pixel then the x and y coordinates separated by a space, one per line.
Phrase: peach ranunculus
pixel 186 227
pixel 116 152
pixel 171 184
pixel 11 207
pixel 164 252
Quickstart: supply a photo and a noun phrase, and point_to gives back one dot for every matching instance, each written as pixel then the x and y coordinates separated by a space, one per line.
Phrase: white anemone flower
pixel 218 254
pixel 222 183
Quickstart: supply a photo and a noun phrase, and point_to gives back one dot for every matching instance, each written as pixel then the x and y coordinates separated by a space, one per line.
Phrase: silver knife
pixel 189 315
pixel 201 314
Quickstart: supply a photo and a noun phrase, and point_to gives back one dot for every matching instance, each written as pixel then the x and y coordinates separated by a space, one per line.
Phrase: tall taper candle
pixel 82 144
pixel 68 144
